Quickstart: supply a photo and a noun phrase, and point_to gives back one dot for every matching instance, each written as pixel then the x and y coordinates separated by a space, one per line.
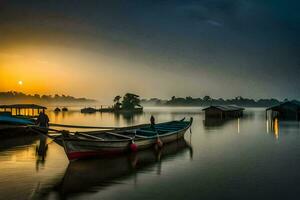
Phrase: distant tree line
pixel 18 97
pixel 208 101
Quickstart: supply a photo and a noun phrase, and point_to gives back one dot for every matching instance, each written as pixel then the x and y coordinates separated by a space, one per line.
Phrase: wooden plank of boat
pixel 98 127
pixel 54 134
pixel 141 136
pixel 171 125
pixel 119 135
pixel 147 131
pixel 90 136
pixel 167 129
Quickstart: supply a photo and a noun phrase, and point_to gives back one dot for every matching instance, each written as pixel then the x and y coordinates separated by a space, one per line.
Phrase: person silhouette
pixel 43 120
pixel 152 121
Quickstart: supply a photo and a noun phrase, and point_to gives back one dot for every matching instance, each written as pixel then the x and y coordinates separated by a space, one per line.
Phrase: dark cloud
pixel 249 41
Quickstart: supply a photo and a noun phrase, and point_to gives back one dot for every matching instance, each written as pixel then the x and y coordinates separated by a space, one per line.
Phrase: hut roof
pixel 294 105
pixel 23 106
pixel 226 108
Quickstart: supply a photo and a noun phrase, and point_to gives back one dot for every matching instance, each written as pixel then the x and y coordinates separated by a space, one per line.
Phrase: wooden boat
pixel 114 142
pixel 11 126
pixel 11 120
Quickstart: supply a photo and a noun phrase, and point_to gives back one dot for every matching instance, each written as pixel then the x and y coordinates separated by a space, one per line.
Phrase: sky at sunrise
pixel 98 49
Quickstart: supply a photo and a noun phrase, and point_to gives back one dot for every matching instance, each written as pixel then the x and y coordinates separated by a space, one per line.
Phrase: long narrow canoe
pixel 15 120
pixel 115 142
pixel 11 126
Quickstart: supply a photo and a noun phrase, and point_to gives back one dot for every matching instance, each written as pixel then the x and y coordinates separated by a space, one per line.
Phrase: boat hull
pixel 83 148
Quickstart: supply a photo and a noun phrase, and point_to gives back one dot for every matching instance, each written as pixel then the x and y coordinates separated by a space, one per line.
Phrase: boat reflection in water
pixel 86 175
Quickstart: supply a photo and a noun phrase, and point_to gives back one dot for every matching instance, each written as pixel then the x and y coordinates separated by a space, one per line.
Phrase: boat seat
pixel 171 127
pixel 146 132
pixel 168 129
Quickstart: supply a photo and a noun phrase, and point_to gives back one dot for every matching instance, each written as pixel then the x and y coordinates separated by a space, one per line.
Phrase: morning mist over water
pixel 149 99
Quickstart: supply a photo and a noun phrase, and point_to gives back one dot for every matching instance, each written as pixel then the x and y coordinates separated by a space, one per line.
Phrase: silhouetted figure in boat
pixel 152 122
pixel 43 120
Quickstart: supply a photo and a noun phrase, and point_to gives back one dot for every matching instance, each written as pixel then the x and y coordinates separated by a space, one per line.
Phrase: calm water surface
pixel 247 158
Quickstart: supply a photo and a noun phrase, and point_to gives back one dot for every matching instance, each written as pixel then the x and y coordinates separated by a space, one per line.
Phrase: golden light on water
pixel 276 129
pixel 238 125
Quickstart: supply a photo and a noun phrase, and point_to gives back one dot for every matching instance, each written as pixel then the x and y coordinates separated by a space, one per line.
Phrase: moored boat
pixel 118 141
pixel 11 126
pixel 12 120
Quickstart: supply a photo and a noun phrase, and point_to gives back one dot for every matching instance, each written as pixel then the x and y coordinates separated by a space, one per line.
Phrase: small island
pixel 129 104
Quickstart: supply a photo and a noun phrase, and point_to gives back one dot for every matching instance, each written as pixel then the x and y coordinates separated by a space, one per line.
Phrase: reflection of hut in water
pixel 223 112
pixel 289 110
pixel 214 122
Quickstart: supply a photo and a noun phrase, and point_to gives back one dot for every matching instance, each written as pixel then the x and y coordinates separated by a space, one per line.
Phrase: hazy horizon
pixel 99 49
pixel 14 97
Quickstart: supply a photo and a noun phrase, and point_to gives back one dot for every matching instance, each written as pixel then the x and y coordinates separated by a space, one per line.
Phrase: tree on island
pixel 130 101
pixel 207 98
pixel 117 104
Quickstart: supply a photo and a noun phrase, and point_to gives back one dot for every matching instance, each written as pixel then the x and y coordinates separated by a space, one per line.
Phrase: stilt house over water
pixel 289 110
pixel 223 112
pixel 31 110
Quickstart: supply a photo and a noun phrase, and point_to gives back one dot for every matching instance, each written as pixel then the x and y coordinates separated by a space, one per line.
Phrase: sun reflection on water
pixel 276 128
pixel 238 125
